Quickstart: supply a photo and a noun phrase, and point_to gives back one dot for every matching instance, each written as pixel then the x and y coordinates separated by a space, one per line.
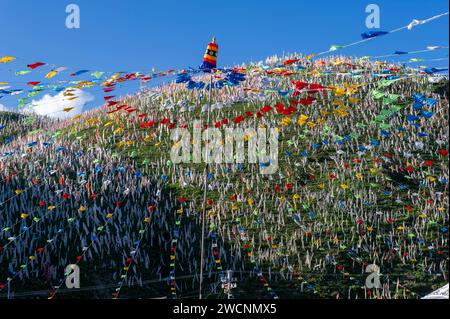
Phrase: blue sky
pixel 137 35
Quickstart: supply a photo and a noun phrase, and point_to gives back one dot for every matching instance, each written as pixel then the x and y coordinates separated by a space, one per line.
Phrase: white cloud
pixel 53 106
pixel 3 108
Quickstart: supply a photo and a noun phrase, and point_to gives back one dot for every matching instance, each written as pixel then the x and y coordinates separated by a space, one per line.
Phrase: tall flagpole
pixel 209 63
pixel 9 288
pixel 202 253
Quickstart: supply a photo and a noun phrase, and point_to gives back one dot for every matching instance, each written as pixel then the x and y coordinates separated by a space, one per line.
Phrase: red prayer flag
pixel 290 61
pixel 266 109
pixel 35 65
pixel 238 119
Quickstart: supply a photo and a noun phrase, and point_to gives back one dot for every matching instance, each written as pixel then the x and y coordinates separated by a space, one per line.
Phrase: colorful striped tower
pixel 210 56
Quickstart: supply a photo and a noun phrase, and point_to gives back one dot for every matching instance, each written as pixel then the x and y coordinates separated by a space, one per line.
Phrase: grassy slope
pixel 408 270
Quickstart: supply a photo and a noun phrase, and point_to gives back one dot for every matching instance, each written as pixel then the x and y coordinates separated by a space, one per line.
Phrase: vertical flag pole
pixel 202 253
pixel 9 288
pixel 209 63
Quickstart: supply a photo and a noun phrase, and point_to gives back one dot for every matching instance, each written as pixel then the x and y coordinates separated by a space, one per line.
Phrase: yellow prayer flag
pixel 51 74
pixel 7 59
pixel 302 119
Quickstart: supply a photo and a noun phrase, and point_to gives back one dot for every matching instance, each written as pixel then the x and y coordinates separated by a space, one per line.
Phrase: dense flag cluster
pixel 362 180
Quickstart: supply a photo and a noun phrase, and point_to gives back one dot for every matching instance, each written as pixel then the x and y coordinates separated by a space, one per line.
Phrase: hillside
pixel 362 179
